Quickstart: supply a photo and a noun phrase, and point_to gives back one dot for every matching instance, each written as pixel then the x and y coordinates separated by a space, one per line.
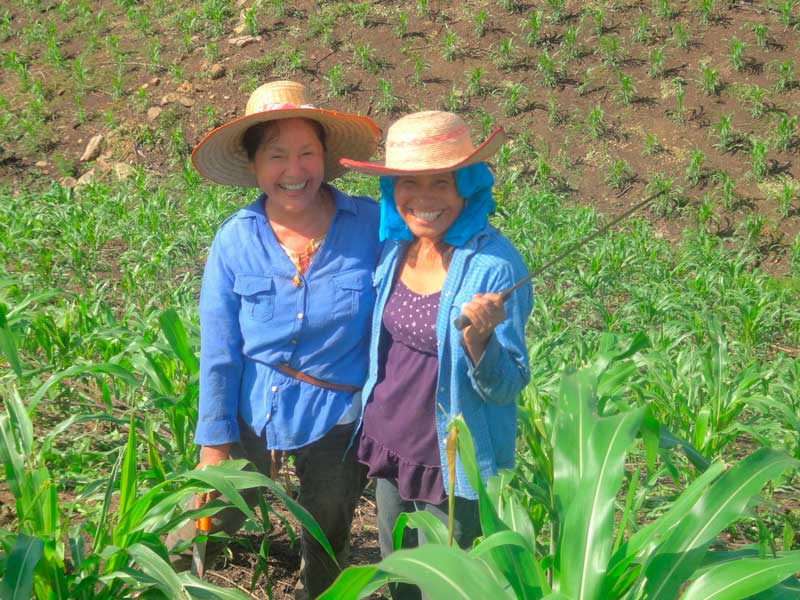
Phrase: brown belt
pixel 287 370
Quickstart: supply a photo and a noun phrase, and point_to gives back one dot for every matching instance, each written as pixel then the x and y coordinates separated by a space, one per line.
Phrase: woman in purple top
pixel 441 259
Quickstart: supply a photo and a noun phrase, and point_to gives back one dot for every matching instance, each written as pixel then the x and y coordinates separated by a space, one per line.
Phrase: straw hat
pixel 220 156
pixel 428 142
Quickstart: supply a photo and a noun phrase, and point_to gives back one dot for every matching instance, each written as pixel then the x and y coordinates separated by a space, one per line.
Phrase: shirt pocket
pixel 258 296
pixel 351 293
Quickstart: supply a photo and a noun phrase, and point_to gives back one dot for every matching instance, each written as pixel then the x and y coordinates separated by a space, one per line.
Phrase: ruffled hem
pixel 415 482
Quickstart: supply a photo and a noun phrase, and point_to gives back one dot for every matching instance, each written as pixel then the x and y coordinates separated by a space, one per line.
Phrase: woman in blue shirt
pixel 285 306
pixel 441 259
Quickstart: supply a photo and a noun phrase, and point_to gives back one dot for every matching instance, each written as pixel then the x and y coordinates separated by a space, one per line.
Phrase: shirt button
pixel 293 341
pixel 274 388
pixel 441 389
pixel 299 315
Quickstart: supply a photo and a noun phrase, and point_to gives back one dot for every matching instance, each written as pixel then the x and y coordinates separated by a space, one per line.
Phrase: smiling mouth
pixel 296 187
pixel 427 216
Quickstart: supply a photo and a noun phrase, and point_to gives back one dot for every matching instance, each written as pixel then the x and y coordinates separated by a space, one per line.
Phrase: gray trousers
pixel 331 482
pixel 466 526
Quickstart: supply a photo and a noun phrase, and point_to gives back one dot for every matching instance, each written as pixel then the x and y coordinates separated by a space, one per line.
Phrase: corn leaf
pixel 434 530
pixel 75 370
pixel 175 333
pixel 742 578
pixel 17 582
pixel 354 583
pixel 682 552
pixel 158 569
pixel 8 344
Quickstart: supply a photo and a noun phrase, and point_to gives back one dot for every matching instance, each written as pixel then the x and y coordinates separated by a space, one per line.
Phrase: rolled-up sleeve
pixel 221 357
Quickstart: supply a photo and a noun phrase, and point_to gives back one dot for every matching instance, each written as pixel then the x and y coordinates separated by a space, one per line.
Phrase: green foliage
pixel 586 559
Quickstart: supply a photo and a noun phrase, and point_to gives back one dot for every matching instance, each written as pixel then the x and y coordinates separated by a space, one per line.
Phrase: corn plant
pixel 728 140
pixel 709 79
pixel 728 190
pixel 420 66
pixel 505 53
pixel 533 27
pixel 695 173
pixel 760 31
pixel 401 28
pixel 786 16
pixel 656 63
pixel 557 13
pixel 512 95
pixel 620 175
pixel 334 79
pixel 450 45
pixel 665 10
pixel 671 199
pixel 784 132
pixel 651 145
pixel 737 49
pixel 786 75
pixel 642 33
pixel 475 83
pixel 596 123
pixel 758 159
pixel 786 195
pixel 611 50
pixel 479 22
pixel 586 558
pixel 569 44
pixel 626 92
pixel 360 14
pixel 681 35
pixel 387 101
pixel 706 10
pixel 364 56
pixel 547 69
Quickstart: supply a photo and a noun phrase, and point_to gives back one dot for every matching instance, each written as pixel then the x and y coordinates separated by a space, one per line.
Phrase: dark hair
pixel 263 133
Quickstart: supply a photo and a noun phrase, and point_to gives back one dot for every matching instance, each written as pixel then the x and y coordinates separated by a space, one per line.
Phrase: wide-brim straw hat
pixel 221 157
pixel 428 142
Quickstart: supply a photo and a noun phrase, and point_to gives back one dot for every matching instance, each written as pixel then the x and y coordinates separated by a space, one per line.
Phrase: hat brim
pixel 480 154
pixel 220 156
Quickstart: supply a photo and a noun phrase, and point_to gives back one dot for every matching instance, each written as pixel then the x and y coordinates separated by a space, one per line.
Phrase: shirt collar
pixel 341 201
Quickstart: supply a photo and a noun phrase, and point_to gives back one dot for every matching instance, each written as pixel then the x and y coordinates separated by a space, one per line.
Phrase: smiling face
pixel 428 204
pixel 289 165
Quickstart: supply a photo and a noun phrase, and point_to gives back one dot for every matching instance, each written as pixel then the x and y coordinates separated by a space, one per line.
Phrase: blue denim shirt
pixel 485 395
pixel 253 317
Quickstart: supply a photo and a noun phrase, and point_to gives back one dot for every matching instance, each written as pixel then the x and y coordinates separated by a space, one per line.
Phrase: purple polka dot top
pixel 398 439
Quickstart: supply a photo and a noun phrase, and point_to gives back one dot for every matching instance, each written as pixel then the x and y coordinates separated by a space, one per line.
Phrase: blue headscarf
pixel 474 185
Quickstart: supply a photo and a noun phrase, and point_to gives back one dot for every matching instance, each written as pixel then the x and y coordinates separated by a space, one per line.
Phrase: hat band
pixel 433 139
pixel 282 106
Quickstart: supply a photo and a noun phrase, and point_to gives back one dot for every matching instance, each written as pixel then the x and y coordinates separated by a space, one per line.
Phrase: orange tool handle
pixel 203 524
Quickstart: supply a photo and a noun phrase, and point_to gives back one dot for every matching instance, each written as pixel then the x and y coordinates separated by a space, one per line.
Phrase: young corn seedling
pixel 505 54
pixel 278 8
pixel 786 195
pixel 547 69
pixel 334 79
pixel 555 117
pixel 787 18
pixel 487 122
pixel 695 173
pixel 672 198
pixel 786 75
pixel 420 66
pixel 450 45
pixel 709 79
pixel 706 10
pixel 611 50
pixel 512 6
pixel 656 63
pixel 557 13
pixel 401 28
pixel 760 31
pixel 642 33
pixel 758 159
pixel 454 100
pixel 533 27
pixel 620 175
pixel 596 122
pixel 755 95
pixel 651 145
pixel 5 25
pixel 251 24
pixel 727 189
pixel 681 35
pixel 626 91
pixel 360 14
pixel 784 132
pixel 53 52
pixel 513 94
pixel 727 139
pixel 680 109
pixel 475 83
pixel 479 22
pixel 364 57
pixel 598 16
pixel 424 8
pixel 387 102
pixel 569 43
pixel 665 10
pixel 737 49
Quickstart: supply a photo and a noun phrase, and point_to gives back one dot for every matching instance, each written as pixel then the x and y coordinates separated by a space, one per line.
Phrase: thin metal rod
pixel 461 321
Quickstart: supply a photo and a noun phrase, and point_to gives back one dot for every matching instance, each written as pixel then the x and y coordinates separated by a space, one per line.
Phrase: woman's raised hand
pixel 485 312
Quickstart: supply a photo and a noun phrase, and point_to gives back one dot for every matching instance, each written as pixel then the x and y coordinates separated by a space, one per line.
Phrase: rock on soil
pixel 93 148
